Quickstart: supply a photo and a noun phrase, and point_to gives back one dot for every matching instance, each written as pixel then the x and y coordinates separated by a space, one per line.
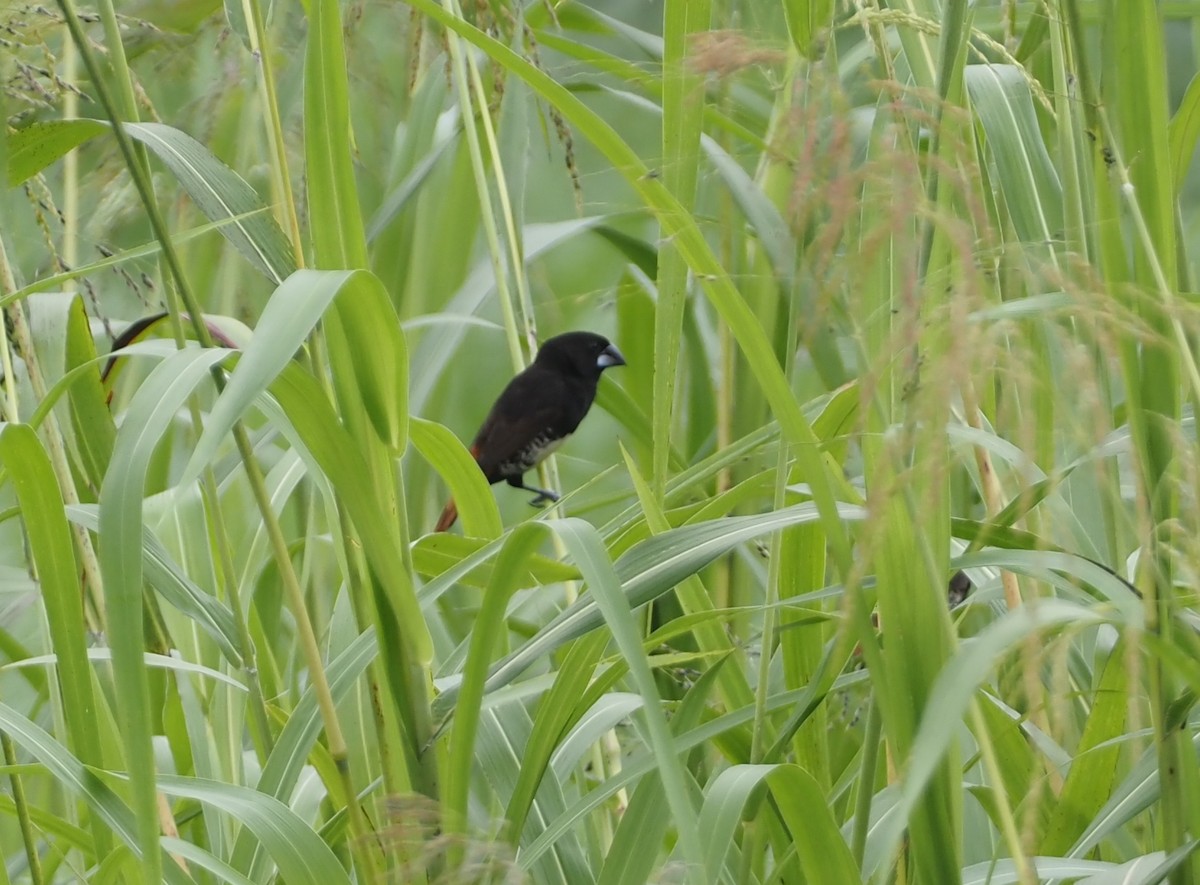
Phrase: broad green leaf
pixel 823 852
pixel 34 147
pixel 297 850
pixel 556 710
pixel 1136 792
pixel 289 317
pixel 638 766
pixel 634 849
pixel 469 489
pixel 1093 770
pixel 53 553
pixel 91 422
pixel 952 692
pixel 310 413
pixel 235 17
pixel 806 22
pixel 725 799
pixel 1063 570
pixel 428 119
pixel 693 598
pixel 504 732
pixel 1184 133
pixel 683 101
pixel 223 196
pixel 1001 99
pixel 1149 869
pixel 434 555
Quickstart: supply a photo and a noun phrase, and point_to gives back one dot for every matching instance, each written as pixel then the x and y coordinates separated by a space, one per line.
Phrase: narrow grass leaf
pixel 152 410
pixel 339 240
pixel 53 553
pixel 300 854
pixel 1004 872
pixel 222 871
pixel 161 662
pixel 331 446
pixel 555 713
pixel 1001 99
pixel 298 737
pixel 822 851
pixel 170 580
pixel 585 547
pixel 650 569
pixel 79 781
pixel 223 196
pixel 510 564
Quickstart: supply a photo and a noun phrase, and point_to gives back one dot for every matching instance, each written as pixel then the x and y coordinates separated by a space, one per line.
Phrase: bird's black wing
pixel 537 407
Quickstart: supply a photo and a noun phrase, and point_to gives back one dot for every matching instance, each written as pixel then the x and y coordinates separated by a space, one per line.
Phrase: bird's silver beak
pixel 610 356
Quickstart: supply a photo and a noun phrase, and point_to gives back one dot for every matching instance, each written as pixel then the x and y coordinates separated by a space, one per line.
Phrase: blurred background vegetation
pixel 904 288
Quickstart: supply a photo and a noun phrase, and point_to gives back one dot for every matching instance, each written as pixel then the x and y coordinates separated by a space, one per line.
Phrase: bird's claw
pixel 543 498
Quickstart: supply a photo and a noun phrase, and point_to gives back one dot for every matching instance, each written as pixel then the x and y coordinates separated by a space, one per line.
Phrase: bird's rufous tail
pixel 447 518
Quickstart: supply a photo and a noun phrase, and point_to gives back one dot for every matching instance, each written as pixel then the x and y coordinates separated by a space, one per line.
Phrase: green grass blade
pixel 468 486
pixel 335 220
pixel 83 783
pixel 37 146
pixel 223 196
pixel 585 547
pixel 296 849
pixel 153 409
pixel 509 566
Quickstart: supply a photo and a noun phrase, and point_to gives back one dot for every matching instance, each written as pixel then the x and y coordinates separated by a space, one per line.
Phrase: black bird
pixel 538 410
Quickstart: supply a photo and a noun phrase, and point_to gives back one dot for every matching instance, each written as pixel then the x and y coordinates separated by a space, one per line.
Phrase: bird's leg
pixel 543 495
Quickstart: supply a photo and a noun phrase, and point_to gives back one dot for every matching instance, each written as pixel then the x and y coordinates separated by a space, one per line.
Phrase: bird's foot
pixel 544 497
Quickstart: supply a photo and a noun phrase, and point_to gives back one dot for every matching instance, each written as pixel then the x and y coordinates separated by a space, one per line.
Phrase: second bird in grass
pixel 538 410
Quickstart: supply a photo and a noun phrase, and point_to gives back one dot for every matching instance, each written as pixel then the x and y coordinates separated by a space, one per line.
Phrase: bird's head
pixel 579 353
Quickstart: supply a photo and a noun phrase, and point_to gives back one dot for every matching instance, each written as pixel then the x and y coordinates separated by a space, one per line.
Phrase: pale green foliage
pixel 902 288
